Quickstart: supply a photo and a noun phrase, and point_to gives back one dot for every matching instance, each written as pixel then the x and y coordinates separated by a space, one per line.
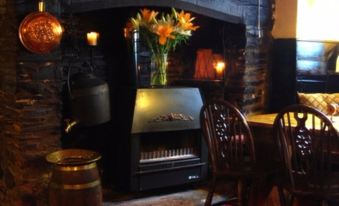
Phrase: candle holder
pixel 91 56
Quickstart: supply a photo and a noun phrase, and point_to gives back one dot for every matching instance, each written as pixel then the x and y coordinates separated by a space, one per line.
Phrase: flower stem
pixel 159 69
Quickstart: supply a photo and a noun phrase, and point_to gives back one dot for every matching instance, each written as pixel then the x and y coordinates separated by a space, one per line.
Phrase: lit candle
pixel 92 38
pixel 219 68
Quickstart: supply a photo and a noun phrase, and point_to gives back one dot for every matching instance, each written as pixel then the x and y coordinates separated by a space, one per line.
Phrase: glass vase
pixel 159 69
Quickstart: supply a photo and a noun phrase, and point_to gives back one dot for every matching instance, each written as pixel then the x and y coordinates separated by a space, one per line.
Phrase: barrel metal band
pixel 77 168
pixel 75 186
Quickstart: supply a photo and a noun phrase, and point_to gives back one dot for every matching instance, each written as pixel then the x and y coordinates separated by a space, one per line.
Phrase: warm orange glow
pixel 92 38
pixel 318 20
pixel 128 29
pixel 57 29
pixel 219 68
pixel 126 32
pixel 285 15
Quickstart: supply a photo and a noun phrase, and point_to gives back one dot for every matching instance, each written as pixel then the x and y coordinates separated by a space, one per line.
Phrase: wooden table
pixel 262 126
pixel 266 120
pixel 262 129
pixel 262 120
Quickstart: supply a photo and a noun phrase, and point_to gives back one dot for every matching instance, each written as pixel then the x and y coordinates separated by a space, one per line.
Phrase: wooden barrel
pixel 75 179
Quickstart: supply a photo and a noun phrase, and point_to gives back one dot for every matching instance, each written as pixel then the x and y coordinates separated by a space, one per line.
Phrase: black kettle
pixel 89 100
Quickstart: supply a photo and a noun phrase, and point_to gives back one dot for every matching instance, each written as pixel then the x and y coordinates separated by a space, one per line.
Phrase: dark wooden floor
pixel 192 195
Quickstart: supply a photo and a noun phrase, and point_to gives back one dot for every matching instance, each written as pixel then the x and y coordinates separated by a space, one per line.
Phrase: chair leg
pixel 245 193
pixel 282 197
pixel 211 189
pixel 291 200
pixel 324 203
pixel 241 192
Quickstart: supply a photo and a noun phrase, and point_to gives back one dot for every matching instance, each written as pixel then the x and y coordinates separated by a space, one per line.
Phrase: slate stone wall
pixel 30 108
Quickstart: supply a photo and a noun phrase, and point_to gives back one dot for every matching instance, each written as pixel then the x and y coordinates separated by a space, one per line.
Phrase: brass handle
pixel 41 6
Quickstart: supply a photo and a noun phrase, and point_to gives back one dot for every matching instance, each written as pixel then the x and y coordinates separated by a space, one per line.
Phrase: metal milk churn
pixel 89 96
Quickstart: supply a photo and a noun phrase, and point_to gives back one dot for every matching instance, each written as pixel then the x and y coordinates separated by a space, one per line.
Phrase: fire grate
pixel 167 155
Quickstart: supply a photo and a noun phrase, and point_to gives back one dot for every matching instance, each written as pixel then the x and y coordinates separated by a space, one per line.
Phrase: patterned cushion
pixel 332 98
pixel 318 100
pixel 313 100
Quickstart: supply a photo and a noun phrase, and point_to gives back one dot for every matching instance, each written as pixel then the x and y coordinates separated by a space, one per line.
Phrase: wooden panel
pixel 283 74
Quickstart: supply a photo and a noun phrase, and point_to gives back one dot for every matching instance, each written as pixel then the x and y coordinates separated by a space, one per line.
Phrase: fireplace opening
pixel 113 55
pixel 173 158
pixel 113 62
pixel 169 146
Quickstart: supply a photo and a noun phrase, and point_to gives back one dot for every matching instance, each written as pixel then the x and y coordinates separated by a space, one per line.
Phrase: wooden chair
pixel 231 148
pixel 308 147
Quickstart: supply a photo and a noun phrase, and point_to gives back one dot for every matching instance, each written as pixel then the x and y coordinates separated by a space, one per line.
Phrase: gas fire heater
pixel 166 145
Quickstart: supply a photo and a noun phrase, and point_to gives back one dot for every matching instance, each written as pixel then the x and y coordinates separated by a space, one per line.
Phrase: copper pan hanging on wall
pixel 40 32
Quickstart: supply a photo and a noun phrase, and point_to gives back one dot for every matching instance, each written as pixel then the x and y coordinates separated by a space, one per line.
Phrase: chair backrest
pixel 228 136
pixel 307 143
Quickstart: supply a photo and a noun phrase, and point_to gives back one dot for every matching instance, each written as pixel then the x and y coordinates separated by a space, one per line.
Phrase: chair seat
pixel 255 172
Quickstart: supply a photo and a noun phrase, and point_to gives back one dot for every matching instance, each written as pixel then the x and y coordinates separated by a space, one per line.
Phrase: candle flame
pixel 92 38
pixel 220 66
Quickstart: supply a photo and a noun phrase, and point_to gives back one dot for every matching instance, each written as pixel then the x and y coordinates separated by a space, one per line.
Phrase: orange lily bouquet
pixel 162 33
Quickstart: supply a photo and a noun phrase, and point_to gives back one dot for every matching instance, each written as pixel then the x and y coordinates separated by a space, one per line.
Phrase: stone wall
pixel 30 108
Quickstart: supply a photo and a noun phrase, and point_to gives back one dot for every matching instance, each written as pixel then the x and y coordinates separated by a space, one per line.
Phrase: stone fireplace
pixel 32 104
